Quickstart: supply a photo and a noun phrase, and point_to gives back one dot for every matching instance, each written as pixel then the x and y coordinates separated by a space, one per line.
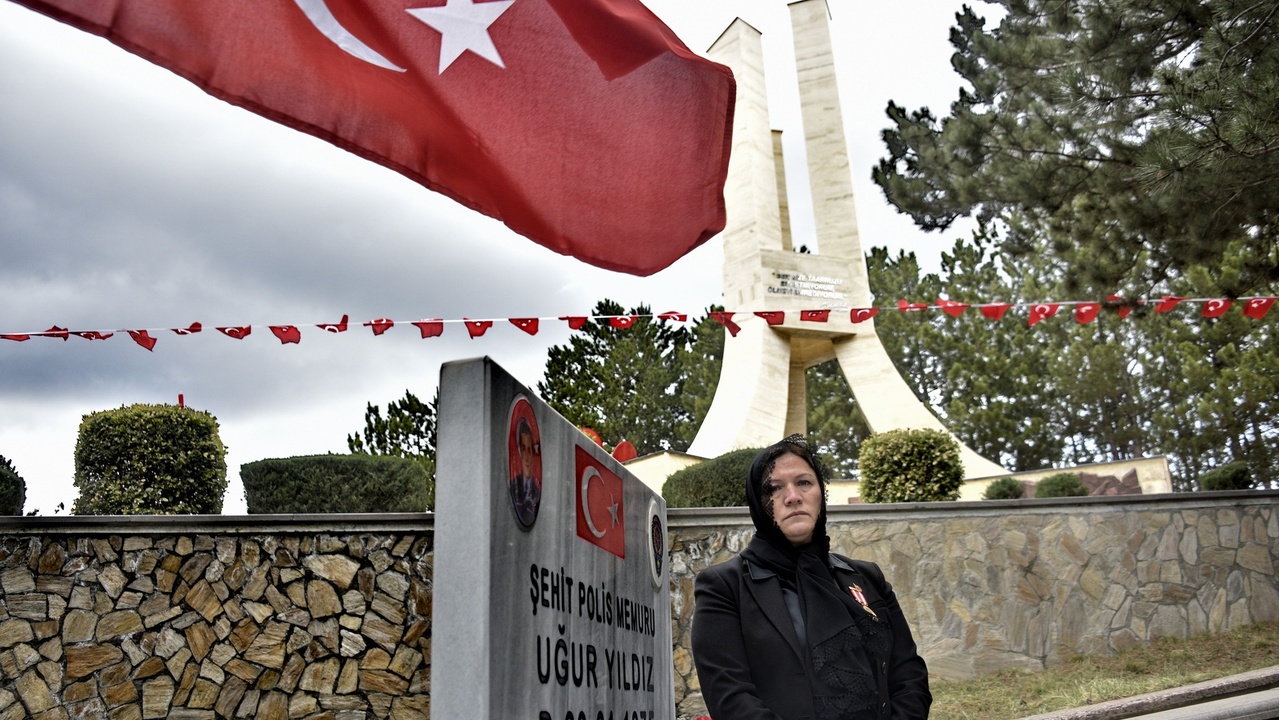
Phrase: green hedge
pixel 1232 476
pixel 336 484
pixel 910 466
pixel 13 489
pixel 150 460
pixel 1061 485
pixel 719 482
pixel 1004 489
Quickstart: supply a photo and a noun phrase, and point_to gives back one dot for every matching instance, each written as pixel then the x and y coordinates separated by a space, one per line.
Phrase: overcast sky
pixel 130 199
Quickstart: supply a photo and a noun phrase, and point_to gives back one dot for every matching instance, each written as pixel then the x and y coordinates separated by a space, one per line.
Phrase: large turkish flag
pixel 585 125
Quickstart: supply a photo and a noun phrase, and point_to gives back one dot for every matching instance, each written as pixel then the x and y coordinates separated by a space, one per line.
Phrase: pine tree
pixel 1135 140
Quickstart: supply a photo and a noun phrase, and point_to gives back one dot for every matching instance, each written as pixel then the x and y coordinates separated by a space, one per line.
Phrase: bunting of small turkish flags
pixel 1083 311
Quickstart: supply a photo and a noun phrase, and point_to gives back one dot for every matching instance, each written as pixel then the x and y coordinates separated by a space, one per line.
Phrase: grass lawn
pixel 1164 664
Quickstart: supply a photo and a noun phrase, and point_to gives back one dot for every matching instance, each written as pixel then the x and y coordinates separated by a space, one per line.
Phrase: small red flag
pixel 1122 306
pixel 143 338
pixel 1215 308
pixel 622 322
pixel 55 332
pixel 994 311
pixel 1086 312
pixel 239 333
pixel 476 328
pixel 773 317
pixel 951 307
pixel 575 321
pixel 380 325
pixel 625 451
pixel 337 327
pixel 191 329
pixel 726 319
pixel 527 112
pixel 286 333
pixel 529 325
pixel 673 316
pixel 814 315
pixel 1167 303
pixel 16 337
pixel 598 495
pixel 1041 311
pixel 1257 308
pixel 858 315
pixel 904 306
pixel 430 328
pixel 92 334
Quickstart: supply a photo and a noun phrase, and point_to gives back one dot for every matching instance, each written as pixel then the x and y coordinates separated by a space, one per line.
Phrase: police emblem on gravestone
pixel 599 502
pixel 657 544
pixel 524 462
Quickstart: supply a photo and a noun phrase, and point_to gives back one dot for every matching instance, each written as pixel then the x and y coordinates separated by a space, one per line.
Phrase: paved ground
pixel 1248 696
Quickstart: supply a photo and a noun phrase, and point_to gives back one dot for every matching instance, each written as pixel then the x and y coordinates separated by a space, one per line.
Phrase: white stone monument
pixel 761 394
pixel 550 582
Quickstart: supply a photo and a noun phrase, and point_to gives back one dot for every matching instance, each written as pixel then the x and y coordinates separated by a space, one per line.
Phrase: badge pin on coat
pixel 862 600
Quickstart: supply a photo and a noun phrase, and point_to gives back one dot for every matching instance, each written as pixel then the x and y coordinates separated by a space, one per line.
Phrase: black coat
pixel 751 665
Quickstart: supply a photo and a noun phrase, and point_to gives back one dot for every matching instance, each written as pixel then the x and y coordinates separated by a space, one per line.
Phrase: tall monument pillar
pixel 760 397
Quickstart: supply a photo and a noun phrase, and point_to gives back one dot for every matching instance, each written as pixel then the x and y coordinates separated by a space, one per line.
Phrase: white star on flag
pixel 464 25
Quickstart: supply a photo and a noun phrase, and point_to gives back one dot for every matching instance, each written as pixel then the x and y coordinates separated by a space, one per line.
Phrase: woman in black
pixel 788 630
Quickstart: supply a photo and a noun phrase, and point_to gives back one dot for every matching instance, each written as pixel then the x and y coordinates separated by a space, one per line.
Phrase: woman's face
pixel 795 497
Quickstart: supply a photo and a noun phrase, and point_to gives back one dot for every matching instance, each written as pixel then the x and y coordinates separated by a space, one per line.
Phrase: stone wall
pixel 1030 583
pixel 200 618
pixel 330 616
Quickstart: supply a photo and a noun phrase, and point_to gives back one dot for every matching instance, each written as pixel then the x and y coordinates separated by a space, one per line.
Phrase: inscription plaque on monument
pixel 551 597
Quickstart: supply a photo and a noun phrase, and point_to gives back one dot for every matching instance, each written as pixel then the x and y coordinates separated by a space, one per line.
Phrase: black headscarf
pixel 840 677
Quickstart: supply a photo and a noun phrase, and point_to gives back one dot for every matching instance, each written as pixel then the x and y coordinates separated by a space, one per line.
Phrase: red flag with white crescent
pixel 525 111
pixel 1167 303
pixel 239 333
pixel 622 322
pixel 338 327
pixel 1215 308
pixel 1087 312
pixel 92 334
pixel 858 315
pixel 815 315
pixel 1041 311
pixel 380 325
pixel 772 317
pixel 600 513
pixel 1257 308
pixel 191 329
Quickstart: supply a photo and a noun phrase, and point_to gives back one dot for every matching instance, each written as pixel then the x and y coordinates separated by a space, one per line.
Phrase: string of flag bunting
pixel 1083 311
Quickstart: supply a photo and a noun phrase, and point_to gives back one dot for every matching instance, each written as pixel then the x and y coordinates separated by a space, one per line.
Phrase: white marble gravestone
pixel 551 599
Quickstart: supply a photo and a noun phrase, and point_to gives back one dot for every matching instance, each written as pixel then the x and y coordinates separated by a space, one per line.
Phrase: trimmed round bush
pixel 336 484
pixel 13 489
pixel 1004 489
pixel 910 466
pixel 1232 476
pixel 719 482
pixel 1061 485
pixel 150 460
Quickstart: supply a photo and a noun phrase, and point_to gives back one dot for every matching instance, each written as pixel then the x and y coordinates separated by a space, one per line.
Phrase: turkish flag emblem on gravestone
pixel 585 125
pixel 599 504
